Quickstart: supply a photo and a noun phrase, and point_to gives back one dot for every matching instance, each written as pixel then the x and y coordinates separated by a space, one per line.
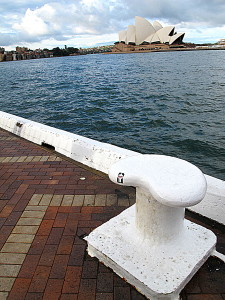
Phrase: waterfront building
pixel 21 49
pixel 145 32
pixel 2 56
pixel 23 53
pixel 221 42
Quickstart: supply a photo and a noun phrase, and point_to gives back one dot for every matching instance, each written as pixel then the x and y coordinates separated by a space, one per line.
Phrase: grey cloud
pixel 210 12
pixel 8 39
pixel 73 18
pixel 19 6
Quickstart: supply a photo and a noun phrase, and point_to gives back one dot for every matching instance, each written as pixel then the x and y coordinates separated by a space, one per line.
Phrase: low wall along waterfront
pixel 101 156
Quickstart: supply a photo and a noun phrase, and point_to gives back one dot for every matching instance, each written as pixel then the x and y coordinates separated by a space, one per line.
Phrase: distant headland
pixel 23 53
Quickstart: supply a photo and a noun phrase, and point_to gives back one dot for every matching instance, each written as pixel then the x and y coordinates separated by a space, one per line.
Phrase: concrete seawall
pixel 101 156
pixel 95 154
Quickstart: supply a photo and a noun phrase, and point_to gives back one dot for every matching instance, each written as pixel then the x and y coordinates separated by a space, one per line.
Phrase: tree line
pixel 63 52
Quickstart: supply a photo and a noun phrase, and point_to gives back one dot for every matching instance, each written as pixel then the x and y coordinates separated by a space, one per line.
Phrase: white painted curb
pixel 101 156
pixel 95 154
pixel 213 204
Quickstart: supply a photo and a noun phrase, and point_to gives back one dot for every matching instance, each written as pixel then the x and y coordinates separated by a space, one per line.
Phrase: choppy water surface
pixel 165 103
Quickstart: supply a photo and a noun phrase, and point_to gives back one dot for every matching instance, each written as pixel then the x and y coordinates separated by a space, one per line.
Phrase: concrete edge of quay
pixel 101 156
pixel 49 203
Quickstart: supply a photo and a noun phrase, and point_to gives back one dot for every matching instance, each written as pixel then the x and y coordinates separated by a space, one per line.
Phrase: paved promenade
pixel 48 203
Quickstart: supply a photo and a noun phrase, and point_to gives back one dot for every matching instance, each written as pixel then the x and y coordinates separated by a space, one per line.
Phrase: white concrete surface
pixel 150 244
pixel 101 156
pixel 160 271
pixel 213 204
pixel 171 181
pixel 97 155
pixel 164 187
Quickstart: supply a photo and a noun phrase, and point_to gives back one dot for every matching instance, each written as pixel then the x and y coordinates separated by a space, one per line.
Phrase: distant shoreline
pixel 164 50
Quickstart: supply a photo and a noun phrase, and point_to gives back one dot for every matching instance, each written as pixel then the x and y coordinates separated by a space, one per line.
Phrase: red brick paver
pixel 46 208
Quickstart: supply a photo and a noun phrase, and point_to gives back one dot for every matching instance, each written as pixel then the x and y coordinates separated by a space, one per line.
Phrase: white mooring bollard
pixel 150 244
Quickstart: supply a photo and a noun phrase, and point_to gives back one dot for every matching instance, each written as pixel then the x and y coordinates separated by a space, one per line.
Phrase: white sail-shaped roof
pixel 155 38
pixel 157 25
pixel 122 36
pixel 130 34
pixel 149 38
pixel 175 37
pixel 143 29
pixel 165 33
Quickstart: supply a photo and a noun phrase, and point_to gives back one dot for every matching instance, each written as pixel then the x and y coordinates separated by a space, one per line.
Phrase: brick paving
pixel 48 203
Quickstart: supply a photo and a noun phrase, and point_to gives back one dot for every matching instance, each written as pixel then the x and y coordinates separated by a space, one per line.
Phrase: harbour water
pixel 165 103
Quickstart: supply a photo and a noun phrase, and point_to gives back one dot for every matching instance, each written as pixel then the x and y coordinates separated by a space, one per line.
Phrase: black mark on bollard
pixel 120 177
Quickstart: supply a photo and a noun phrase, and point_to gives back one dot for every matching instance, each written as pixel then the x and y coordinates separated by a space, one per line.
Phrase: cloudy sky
pixel 85 23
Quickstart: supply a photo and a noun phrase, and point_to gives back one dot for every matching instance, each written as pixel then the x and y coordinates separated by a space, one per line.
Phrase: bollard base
pixel 158 271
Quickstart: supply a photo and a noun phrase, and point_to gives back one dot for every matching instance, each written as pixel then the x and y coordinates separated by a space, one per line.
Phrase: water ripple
pixel 165 103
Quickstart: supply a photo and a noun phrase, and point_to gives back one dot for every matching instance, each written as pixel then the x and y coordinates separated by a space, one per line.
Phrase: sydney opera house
pixel 143 34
